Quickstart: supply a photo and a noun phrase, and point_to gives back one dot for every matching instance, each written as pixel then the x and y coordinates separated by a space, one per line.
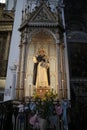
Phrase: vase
pixel 42 124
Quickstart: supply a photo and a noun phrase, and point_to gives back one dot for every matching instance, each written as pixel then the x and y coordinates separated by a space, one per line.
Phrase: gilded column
pixel 59 72
pixel 63 71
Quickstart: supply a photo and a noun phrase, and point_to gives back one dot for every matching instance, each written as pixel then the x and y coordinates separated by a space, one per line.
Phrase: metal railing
pixel 13 119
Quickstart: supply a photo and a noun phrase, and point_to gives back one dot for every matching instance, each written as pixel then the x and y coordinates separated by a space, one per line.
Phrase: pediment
pixel 42 14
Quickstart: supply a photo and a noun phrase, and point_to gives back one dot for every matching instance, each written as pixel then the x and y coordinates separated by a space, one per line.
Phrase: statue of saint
pixel 41 76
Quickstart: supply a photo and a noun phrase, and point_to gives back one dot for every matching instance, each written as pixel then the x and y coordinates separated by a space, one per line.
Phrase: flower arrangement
pixel 45 106
pixel 48 96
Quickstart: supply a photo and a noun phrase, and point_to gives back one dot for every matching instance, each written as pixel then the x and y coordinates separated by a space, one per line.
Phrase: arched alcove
pixel 45 40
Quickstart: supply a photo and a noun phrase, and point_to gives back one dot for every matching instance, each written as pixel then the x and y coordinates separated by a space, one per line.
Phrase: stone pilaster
pixel 18 73
pixel 61 72
pixel 22 72
pixel 13 87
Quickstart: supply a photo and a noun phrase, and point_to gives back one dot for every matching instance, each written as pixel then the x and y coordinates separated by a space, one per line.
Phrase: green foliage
pixel 48 96
pixel 45 103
